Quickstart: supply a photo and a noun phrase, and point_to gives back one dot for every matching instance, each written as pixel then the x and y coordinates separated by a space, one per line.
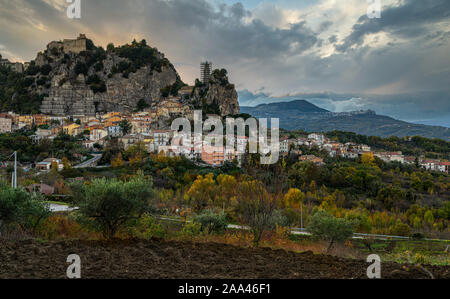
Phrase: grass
pixel 409 251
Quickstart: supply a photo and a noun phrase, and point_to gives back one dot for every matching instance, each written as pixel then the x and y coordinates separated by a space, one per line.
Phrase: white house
pixel 443 167
pixel 98 134
pixel 114 131
pixel 319 138
pixel 161 137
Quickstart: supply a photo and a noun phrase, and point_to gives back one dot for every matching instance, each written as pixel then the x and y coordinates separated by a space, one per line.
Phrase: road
pixel 302 231
pixel 89 162
pixel 60 208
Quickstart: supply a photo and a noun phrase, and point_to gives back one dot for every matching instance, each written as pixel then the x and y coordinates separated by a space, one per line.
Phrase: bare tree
pixel 255 207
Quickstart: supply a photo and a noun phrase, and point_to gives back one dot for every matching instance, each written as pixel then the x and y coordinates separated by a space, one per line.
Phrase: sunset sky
pixel 398 65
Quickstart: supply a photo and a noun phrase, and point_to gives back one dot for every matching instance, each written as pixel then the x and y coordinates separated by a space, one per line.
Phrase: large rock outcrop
pixel 217 96
pixel 83 81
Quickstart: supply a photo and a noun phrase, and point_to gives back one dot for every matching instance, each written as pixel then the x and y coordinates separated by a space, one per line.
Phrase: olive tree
pixel 108 205
pixel 327 227
pixel 20 209
pixel 212 222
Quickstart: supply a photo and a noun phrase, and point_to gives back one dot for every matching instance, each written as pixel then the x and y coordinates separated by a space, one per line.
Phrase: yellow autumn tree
pixel 368 159
pixel 54 168
pixel 66 163
pixel 202 192
pixel 117 161
pixel 294 198
pixel 226 189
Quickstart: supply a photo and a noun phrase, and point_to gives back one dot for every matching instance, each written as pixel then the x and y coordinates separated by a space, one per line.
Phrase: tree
pixel 293 201
pixel 66 163
pixel 401 229
pixel 294 198
pixel 125 126
pixel 54 166
pixel 368 159
pixel 226 185
pixel 107 205
pixel 18 208
pixel 202 192
pixel 212 222
pixel 330 228
pixel 117 161
pixel 110 47
pixel 255 208
pixel 81 68
pixel 429 218
pixel 142 105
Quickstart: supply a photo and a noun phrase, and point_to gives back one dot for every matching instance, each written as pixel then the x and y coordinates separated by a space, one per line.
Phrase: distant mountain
pixel 301 114
pixel 294 106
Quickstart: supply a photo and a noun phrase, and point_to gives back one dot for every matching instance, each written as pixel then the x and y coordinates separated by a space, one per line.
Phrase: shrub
pixel 81 68
pixel 109 205
pixel 212 222
pixel 46 69
pixel 18 208
pixel 328 227
pixel 280 219
pixel 41 81
pixel 191 230
pixel 142 104
pixel 401 229
pixel 146 227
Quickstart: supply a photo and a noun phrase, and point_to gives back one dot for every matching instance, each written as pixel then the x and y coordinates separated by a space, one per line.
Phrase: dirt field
pixel 163 259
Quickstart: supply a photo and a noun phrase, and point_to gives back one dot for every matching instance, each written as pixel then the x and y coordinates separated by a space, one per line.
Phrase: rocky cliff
pixel 78 78
pixel 217 96
pixel 74 77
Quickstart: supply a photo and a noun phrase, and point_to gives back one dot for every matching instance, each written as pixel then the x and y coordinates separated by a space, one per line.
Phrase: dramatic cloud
pixel 275 47
pixel 410 20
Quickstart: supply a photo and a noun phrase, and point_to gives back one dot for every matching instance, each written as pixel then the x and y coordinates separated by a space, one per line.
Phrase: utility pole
pixel 301 215
pixel 15 171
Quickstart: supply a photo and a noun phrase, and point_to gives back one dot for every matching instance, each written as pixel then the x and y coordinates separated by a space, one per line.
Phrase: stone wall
pixel 70 45
pixel 75 46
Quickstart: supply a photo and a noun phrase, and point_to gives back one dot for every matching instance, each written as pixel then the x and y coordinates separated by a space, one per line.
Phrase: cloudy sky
pixel 398 65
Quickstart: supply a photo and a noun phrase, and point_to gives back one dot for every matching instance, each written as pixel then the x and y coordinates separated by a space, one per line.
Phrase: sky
pixel 398 64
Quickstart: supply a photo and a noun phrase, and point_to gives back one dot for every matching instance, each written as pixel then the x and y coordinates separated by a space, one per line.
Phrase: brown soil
pixel 184 260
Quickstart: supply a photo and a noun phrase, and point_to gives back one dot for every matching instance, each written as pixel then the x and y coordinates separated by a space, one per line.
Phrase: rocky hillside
pixel 87 79
pixel 75 77
pixel 217 96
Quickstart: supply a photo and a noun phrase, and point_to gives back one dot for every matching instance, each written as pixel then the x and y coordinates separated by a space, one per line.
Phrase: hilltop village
pixel 95 132
pixel 131 94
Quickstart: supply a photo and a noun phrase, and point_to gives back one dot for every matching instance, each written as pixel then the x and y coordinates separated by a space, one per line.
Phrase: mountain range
pixel 301 114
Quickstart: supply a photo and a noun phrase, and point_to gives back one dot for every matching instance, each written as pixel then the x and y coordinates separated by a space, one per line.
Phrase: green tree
pixel 401 229
pixel 142 104
pixel 20 209
pixel 429 218
pixel 109 205
pixel 125 126
pixel 330 228
pixel 212 222
pixel 110 47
